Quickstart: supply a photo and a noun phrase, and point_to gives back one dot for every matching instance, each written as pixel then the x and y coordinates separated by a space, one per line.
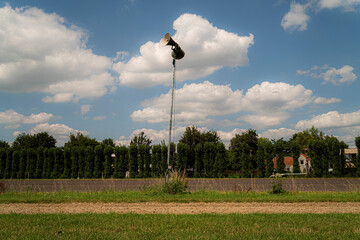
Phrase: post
pixel 170 125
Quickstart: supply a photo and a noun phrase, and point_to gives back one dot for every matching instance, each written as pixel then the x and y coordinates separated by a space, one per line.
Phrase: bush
pixel 176 185
pixel 277 185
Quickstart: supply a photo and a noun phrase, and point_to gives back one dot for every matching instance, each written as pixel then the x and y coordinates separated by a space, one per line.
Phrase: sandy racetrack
pixel 182 208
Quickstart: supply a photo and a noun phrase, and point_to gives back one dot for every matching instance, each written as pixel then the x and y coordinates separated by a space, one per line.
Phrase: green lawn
pixel 200 196
pixel 203 226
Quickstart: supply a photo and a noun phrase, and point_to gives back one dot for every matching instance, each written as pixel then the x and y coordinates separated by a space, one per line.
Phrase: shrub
pixel 176 185
pixel 277 185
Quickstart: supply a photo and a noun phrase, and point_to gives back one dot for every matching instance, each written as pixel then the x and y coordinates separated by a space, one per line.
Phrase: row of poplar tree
pixel 202 154
pixel 139 161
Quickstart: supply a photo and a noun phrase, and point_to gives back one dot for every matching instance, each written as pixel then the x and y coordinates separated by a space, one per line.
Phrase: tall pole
pixel 170 125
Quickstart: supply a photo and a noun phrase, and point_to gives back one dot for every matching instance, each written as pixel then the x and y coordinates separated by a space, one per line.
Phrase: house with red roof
pixel 304 163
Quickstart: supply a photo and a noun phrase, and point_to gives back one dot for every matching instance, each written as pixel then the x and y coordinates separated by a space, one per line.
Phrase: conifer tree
pixel 2 162
pixel 220 160
pixel 22 164
pixel 81 172
pixel 133 161
pixel 198 160
pixel 123 161
pixel 141 160
pixel 7 172
pixel 58 163
pixel 182 157
pixel 39 162
pixel 15 164
pixel 74 162
pixel 295 149
pixel 108 151
pixel 147 162
pixel 98 165
pixel 31 163
pixel 67 163
pixel 89 162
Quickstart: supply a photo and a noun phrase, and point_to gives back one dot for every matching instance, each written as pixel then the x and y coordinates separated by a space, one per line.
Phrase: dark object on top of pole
pixel 177 53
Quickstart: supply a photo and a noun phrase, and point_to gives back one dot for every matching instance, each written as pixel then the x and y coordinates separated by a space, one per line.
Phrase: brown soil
pixel 182 208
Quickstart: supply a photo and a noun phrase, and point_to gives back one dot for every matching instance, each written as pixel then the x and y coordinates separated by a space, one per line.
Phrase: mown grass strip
pixel 204 226
pixel 200 196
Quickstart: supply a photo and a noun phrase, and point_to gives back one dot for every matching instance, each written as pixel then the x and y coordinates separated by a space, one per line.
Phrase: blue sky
pixel 97 67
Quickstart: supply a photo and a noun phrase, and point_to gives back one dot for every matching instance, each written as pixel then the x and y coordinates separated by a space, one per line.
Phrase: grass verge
pixel 203 226
pixel 199 196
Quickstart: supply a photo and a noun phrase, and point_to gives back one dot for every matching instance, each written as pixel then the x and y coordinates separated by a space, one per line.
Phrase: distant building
pixel 304 163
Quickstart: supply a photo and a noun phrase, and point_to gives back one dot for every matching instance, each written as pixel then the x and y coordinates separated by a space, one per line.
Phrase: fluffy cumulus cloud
pixel 264 105
pixel 207 49
pixel 12 119
pixel 60 132
pixel 194 104
pixel 271 102
pixel 331 119
pixel 276 134
pixel 322 100
pixel 298 16
pixel 40 52
pixel 331 75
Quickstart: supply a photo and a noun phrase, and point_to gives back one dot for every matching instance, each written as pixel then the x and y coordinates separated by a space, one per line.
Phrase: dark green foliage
pixel 295 149
pixel 133 149
pixel 123 161
pixel 58 163
pixel 317 150
pixel 67 163
pixel 81 172
pixel 49 159
pixel 209 158
pixel 42 139
pixel 147 161
pixel 141 160
pixel 89 162
pixel 141 139
pixel 249 137
pixel 280 150
pixel 261 158
pixel 277 185
pixel 22 163
pixel 99 159
pixel 245 161
pixel 163 162
pixel 2 162
pixel 81 141
pixel 156 161
pixel 343 145
pixel 8 165
pixel 182 157
pixel 15 163
pixel 31 163
pixel 198 160
pixel 108 142
pixel 75 151
pixel 39 162
pixel 357 143
pixel 4 144
pixel 108 171
pixel 219 165
pixel 269 155
pixel 333 147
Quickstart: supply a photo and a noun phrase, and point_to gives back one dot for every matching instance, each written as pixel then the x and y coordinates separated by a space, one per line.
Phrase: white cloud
pixel 13 119
pixel 322 100
pixel 60 132
pixel 39 52
pixel 264 105
pixel 99 118
pixel 206 47
pixel 276 134
pixel 85 109
pixel 331 119
pixel 347 5
pixel 155 135
pixel 331 74
pixel 195 103
pixel 296 18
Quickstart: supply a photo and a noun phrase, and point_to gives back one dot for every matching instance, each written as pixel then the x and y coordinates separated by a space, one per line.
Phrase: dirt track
pixel 182 208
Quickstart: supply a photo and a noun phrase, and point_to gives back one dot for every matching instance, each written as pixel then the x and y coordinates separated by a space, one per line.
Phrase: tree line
pixel 199 154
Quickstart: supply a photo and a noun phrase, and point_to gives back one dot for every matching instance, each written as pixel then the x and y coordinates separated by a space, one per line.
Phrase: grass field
pixel 204 226
pixel 200 196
